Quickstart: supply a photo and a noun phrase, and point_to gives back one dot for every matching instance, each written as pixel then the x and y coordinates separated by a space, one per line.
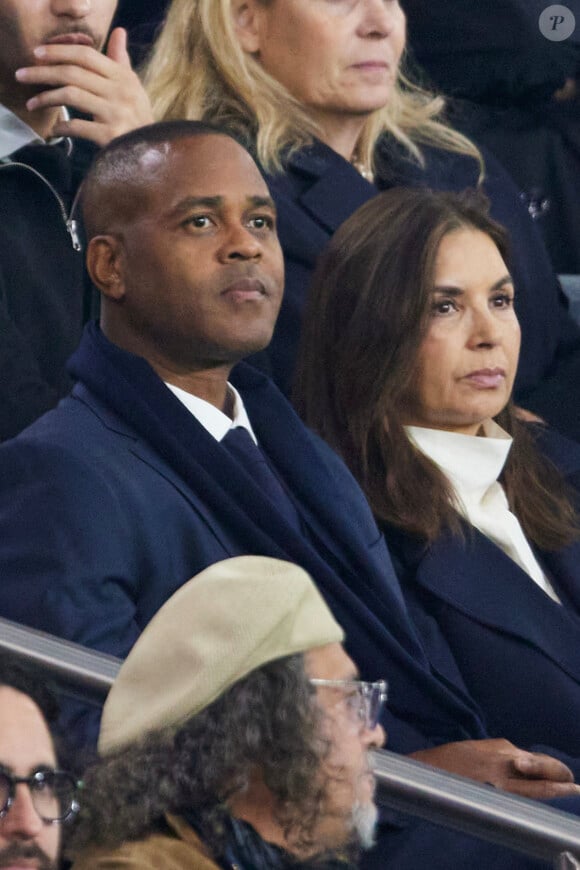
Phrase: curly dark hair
pixel 267 720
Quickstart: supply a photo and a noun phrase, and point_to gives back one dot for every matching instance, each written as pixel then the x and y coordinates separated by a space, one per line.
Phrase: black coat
pixel 44 294
pixel 495 53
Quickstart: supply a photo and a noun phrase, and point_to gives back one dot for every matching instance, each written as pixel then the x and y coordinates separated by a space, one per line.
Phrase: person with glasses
pixel 52 793
pixel 36 796
pixel 240 721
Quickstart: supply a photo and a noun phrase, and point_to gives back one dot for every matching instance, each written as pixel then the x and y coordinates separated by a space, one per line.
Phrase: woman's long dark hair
pixel 367 315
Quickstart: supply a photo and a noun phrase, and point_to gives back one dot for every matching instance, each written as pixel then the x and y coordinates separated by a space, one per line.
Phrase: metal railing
pixel 77 670
pixel 472 808
pixel 405 785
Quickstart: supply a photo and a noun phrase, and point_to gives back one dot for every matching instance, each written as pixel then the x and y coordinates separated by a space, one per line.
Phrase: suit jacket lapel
pixel 479 579
pixel 149 456
pixel 229 499
pixel 336 188
pixel 226 491
pixel 562 568
pixel 293 451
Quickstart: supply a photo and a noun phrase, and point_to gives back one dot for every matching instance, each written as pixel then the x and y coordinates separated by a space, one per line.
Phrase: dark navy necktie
pixel 241 445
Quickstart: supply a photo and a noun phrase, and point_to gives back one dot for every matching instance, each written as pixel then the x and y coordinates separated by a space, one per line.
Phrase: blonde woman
pixel 317 89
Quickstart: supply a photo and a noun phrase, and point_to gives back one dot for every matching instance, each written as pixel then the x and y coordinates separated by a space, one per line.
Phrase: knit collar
pixel 471 462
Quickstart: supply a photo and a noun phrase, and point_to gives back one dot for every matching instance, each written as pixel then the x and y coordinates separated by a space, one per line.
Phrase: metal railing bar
pixel 404 784
pixel 64 661
pixel 464 805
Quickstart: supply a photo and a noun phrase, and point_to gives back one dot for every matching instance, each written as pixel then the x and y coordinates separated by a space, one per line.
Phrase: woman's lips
pixel 379 64
pixel 486 379
pixel 373 67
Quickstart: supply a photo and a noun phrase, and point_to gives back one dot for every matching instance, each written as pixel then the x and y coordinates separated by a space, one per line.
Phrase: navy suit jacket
pixel 319 190
pixel 517 649
pixel 97 531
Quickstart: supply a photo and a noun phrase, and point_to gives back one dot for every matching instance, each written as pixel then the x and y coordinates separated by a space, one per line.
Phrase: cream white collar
pixel 471 462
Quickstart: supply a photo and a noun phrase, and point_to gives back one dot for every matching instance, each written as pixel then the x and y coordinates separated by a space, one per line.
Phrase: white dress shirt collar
pixel 473 464
pixel 15 133
pixel 211 418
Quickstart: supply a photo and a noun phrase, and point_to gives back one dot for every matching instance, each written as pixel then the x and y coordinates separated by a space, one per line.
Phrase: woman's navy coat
pixel 518 651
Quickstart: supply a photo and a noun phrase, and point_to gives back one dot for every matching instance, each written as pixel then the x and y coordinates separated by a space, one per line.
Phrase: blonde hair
pixel 198 70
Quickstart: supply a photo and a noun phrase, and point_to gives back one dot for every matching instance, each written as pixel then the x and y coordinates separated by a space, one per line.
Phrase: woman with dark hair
pixel 321 93
pixel 409 357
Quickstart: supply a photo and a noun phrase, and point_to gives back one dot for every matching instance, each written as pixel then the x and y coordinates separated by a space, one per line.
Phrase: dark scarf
pixel 244 848
pixel 127 385
pixel 366 599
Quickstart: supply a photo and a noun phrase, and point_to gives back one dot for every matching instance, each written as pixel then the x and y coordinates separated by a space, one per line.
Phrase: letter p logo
pixel 557 23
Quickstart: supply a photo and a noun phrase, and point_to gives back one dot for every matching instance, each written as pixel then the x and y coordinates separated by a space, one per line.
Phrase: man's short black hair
pixel 166 131
pixel 117 172
pixel 26 679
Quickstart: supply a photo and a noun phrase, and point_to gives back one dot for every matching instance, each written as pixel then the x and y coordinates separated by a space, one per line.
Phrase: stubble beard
pixel 16 852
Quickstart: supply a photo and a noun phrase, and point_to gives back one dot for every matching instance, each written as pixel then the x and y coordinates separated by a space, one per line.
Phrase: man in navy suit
pixel 141 478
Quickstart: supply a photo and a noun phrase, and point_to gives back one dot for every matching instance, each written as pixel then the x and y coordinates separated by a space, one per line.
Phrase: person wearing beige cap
pixel 236 734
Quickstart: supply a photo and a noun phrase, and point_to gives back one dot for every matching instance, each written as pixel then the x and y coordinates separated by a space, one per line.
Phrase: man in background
pixel 36 797
pixel 242 724
pixel 50 58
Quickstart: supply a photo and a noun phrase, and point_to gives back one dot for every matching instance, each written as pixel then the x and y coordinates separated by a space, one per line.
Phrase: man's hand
pixel 103 86
pixel 500 763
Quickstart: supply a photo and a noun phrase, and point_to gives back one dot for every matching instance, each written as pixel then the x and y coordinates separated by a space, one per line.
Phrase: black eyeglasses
pixel 53 793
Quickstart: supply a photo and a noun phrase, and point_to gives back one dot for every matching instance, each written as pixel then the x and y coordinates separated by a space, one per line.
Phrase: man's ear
pixel 245 15
pixel 104 265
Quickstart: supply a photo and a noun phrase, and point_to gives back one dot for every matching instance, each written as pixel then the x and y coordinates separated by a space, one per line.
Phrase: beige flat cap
pixel 234 617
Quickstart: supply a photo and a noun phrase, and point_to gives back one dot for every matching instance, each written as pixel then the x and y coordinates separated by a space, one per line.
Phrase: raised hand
pixel 103 86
